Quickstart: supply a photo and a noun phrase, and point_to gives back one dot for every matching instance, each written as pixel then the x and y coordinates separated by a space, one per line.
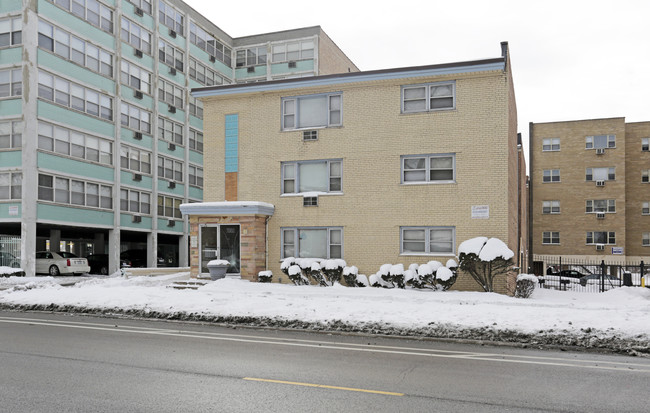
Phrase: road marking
pixel 324 386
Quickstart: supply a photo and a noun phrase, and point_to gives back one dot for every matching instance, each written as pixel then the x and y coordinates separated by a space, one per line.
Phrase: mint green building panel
pixel 79 168
pixel 145 61
pixel 128 10
pixel 13 210
pixel 7 6
pixel 11 55
pixel 178 115
pixel 163 188
pixel 163 149
pixel 243 73
pixel 146 182
pixel 196 123
pixel 178 41
pixel 11 159
pixel 179 77
pixel 194 84
pixel 64 214
pixel 128 137
pixel 195 193
pixel 11 107
pixel 162 226
pixel 196 157
pixel 75 72
pixel 65 19
pixel 128 94
pixel 204 58
pixel 126 220
pixel 73 118
pixel 301 66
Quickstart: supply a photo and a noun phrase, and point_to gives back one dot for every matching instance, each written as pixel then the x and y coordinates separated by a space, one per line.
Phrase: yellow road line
pixel 324 386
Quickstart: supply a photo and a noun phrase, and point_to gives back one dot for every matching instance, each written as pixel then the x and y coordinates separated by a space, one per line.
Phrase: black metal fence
pixel 589 276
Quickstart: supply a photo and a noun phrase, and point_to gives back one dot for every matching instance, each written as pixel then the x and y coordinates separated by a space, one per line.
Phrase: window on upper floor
pixel 645 208
pixel 311 176
pixel 136 160
pixel 135 118
pixel 134 76
pixel 550 237
pixel 600 206
pixel 170 55
pixel 645 176
pixel 600 142
pixel 427 240
pixel 144 5
pixel 551 175
pixel 170 131
pixel 136 35
pixel 170 169
pixel 645 144
pixel 205 75
pixel 293 51
pixel 601 237
pixel 11 185
pixel 600 174
pixel 11 31
pixel 169 207
pixel 550 207
pixel 251 56
pixel 11 134
pixel 169 93
pixel 135 201
pixel 11 82
pixel 74 192
pixel 312 111
pixel 645 240
pixel 196 140
pixel 433 168
pixel 74 96
pixel 92 11
pixel 195 176
pixel 69 142
pixel 428 97
pixel 196 107
pixel 551 145
pixel 312 242
pixel 210 44
pixel 170 17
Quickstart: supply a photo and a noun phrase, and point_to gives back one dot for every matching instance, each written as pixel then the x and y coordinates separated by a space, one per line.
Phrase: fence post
pixel 642 280
pixel 602 276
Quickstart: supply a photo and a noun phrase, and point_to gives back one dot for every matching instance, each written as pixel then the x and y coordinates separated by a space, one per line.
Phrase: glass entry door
pixel 220 242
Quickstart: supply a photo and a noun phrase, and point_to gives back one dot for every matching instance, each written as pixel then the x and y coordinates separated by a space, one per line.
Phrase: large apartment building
pixel 100 140
pixel 374 167
pixel 590 190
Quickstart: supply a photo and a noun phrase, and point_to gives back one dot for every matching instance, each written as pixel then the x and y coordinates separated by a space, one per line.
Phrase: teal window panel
pixel 243 73
pixel 178 41
pixel 196 123
pixel 126 220
pixel 301 66
pixel 196 158
pixel 57 113
pixel 128 9
pixel 204 57
pixel 81 27
pixel 4 210
pixel 75 72
pixel 126 178
pixel 179 77
pixel 11 55
pixel 11 159
pixel 128 94
pixel 232 143
pixel 128 136
pixel 231 164
pixel 76 216
pixel 7 6
pixel 194 84
pixel 163 187
pixel 79 168
pixel 163 149
pixel 162 225
pixel 145 61
pixel 178 116
pixel 195 193
pixel 11 107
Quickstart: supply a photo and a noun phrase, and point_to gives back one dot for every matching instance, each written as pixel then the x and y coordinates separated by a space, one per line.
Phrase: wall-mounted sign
pixel 480 211
pixel 13 209
pixel 617 250
pixel 194 241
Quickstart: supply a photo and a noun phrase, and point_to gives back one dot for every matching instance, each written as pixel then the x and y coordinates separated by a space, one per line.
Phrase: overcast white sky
pixel 572 59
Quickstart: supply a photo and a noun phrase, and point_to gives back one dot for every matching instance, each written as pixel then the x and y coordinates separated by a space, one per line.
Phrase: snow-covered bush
pixel 265 276
pixel 445 278
pixel 376 280
pixel 333 269
pixel 296 276
pixel 362 281
pixel 525 285
pixel 11 272
pixel 286 264
pixel 483 259
pixel 350 275
pixel 426 277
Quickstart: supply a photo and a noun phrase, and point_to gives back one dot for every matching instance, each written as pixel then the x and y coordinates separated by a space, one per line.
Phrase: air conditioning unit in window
pixel 600 215
pixel 600 183
pixel 137 94
pixel 171 223
pixel 600 247
pixel 137 53
pixel 139 11
pixel 136 218
pixel 600 151
pixel 172 71
pixel 310 201
pixel 137 135
pixel 213 59
pixel 172 33
pixel 171 185
pixel 171 109
pixel 310 135
pixel 171 147
pixel 292 65
pixel 137 177
pixel 250 69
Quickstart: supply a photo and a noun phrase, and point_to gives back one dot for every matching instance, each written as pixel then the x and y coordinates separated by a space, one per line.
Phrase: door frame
pixel 211 225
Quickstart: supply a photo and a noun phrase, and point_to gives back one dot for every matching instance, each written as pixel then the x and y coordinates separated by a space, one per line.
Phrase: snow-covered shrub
pixel 350 276
pixel 296 276
pixel 286 264
pixel 264 276
pixel 362 280
pixel 525 285
pixel 434 265
pixel 445 278
pixel 333 269
pixel 11 272
pixel 311 269
pixel 426 276
pixel 376 280
pixel 483 259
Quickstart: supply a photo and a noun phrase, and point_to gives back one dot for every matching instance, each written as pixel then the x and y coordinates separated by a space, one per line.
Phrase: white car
pixel 56 263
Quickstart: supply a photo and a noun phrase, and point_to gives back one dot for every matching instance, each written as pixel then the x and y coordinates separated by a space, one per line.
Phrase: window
pixel 429 168
pixel 196 107
pixel 316 242
pixel 601 237
pixel 170 55
pixel 136 35
pixel 427 240
pixel 646 239
pixel 74 192
pixel 171 18
pixel 210 44
pixel 170 93
pixel 92 11
pixel 72 95
pixel 169 207
pixel 205 75
pixel 135 118
pixel 292 51
pixel 550 207
pixel 11 31
pixel 645 208
pixel 196 140
pixel 645 144
pixel 11 185
pixel 144 5
pixel 551 145
pixel 135 77
pixel 600 142
pixel 170 169
pixel 551 175
pixel 311 111
pixel 645 175
pixel 550 237
pixel 251 56
pixel 170 131
pixel 430 97
pixel 136 160
pixel 311 176
pixel 601 174
pixel 69 142
pixel 196 176
pixel 11 82
pixel 600 206
pixel 135 201
pixel 11 134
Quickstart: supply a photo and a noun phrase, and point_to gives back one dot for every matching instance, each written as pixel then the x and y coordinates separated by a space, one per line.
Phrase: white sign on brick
pixel 480 211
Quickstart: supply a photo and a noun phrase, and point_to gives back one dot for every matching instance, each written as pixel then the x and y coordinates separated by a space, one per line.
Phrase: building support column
pixel 183 251
pixel 152 250
pixel 113 250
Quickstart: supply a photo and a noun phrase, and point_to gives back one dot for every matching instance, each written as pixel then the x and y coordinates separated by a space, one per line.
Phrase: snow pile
pixel 486 249
pixel 218 262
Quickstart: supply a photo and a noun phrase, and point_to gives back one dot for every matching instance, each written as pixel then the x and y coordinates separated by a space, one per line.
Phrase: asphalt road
pixel 64 363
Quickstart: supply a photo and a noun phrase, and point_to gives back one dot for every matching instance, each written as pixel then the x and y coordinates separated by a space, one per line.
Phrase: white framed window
pixel 65 141
pixel 551 175
pixel 170 131
pixel 135 118
pixel 312 111
pixel 251 56
pixel 645 208
pixel 170 169
pixel 135 201
pixel 74 192
pixel 11 134
pixel 11 82
pixel 195 176
pixel 92 11
pixel 601 237
pixel 210 44
pixel 550 207
pixel 428 97
pixel 293 51
pixel 75 96
pixel 645 176
pixel 550 145
pixel 134 76
pixel 169 207
pixel 645 241
pixel 170 17
pixel 600 206
pixel 311 176
pixel 11 185
pixel 11 33
pixel 645 144
pixel 136 160
pixel 144 5
pixel 550 237
pixel 600 174
pixel 205 75
pixel 170 55
pixel 136 35
pixel 427 240
pixel 432 168
pixel 196 140
pixel 170 93
pixel 312 242
pixel 600 142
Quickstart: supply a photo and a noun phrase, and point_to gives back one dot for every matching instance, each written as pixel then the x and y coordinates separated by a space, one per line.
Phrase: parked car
pixel 8 259
pixel 594 279
pixel 137 258
pixel 56 263
pixel 570 274
pixel 99 263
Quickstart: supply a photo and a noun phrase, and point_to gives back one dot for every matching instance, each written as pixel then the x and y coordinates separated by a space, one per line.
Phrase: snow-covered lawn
pixel 620 314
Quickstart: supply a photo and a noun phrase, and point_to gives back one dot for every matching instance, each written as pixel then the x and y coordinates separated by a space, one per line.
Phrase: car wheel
pixel 54 270
pixel 103 270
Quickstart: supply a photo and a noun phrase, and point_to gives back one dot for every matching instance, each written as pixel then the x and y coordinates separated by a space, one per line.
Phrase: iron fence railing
pixel 9 251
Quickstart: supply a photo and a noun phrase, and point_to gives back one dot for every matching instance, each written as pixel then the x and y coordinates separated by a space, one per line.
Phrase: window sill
pixel 415 112
pixel 308 194
pixel 428 183
pixel 312 128
pixel 427 254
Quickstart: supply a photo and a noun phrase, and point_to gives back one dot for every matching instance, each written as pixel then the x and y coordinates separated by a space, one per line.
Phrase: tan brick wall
pixel 636 192
pixel 331 59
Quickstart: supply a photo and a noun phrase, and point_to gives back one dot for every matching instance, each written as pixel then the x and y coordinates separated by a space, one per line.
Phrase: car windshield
pixel 67 254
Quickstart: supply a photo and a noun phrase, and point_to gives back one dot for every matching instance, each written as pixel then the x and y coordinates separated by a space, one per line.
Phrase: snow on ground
pixel 549 316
